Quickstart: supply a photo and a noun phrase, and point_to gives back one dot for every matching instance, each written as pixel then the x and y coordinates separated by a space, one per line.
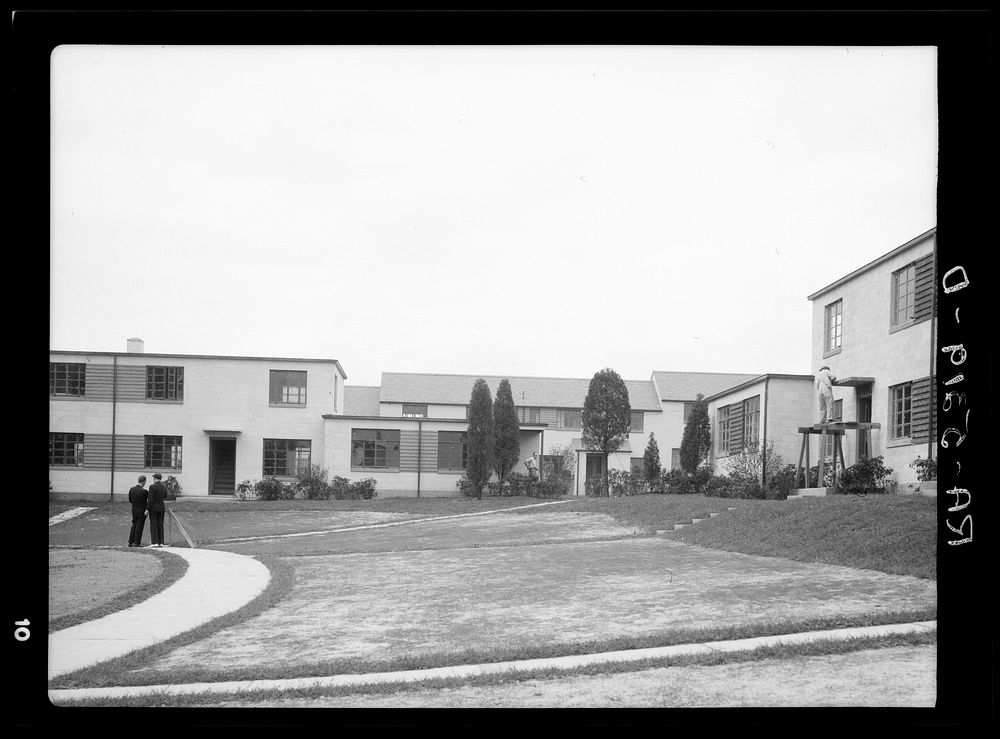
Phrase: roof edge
pixel 754 381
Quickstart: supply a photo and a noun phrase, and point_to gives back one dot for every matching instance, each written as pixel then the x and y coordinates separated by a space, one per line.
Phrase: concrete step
pixel 713 515
pixel 697 520
pixel 679 526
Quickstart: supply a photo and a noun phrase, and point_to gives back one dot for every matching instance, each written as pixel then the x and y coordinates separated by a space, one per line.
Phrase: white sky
pixel 542 211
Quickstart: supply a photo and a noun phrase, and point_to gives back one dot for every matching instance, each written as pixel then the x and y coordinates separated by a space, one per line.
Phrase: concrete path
pixel 66 515
pixel 215 583
pixel 494 668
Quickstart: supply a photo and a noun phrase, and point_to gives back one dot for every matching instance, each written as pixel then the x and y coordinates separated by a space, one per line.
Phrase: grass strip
pixel 172 569
pixel 108 675
pixel 113 671
pixel 819 648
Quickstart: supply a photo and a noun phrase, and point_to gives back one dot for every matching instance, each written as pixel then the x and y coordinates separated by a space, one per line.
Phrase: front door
pixel 595 468
pixel 864 393
pixel 221 466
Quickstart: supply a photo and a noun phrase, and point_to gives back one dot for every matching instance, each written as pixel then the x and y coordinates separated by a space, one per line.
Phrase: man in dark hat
pixel 156 508
pixel 138 496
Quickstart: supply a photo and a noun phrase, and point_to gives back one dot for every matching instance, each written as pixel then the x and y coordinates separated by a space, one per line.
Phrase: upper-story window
pixel 833 324
pixel 528 415
pixel 688 407
pixel 900 410
pixel 570 418
pixel 164 383
pixel 288 387
pixel 414 410
pixel 722 430
pixel 903 294
pixel 67 378
pixel 751 422
pixel 66 450
pixel 636 421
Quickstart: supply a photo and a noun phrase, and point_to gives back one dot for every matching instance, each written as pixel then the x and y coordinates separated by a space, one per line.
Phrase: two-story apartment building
pixel 209 421
pixel 875 329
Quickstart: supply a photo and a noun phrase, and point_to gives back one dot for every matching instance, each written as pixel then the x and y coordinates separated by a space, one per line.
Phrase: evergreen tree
pixel 506 432
pixel 479 466
pixel 651 460
pixel 697 440
pixel 607 415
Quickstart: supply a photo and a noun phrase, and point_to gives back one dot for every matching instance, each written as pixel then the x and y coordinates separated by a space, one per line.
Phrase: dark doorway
pixel 221 466
pixel 864 394
pixel 595 467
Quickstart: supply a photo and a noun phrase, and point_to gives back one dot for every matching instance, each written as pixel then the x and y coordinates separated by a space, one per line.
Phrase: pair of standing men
pixel 151 501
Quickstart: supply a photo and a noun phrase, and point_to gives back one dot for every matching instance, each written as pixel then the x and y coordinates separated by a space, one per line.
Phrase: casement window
pixel 67 379
pixel 375 448
pixel 675 458
pixel 162 451
pixel 552 463
pixel 904 292
pixel 751 422
pixel 900 411
pixel 288 387
pixel 570 418
pixel 636 466
pixel 453 450
pixel 164 383
pixel 528 415
pixel 65 450
pixel 722 430
pixel 636 421
pixel 415 410
pixel 838 412
pixel 833 324
pixel 287 457
pixel 688 407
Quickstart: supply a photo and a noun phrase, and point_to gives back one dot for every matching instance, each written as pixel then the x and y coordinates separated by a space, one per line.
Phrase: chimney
pixel 134 346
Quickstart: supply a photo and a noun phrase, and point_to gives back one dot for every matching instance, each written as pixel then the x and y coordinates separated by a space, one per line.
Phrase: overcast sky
pixel 543 211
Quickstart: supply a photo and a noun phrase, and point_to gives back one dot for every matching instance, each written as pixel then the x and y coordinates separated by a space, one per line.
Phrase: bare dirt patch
pixel 382 606
pixel 889 677
pixel 83 580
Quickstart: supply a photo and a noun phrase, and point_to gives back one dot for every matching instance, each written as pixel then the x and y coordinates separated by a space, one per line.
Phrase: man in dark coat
pixel 156 508
pixel 138 496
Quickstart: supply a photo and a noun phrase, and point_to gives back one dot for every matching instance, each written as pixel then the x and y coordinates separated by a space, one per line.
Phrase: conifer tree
pixel 697 440
pixel 651 460
pixel 479 464
pixel 506 432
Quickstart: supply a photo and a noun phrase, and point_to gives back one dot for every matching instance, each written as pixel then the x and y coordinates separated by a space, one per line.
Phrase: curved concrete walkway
pixel 215 583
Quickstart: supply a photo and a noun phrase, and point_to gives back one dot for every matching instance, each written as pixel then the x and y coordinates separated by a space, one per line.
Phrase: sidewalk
pixel 216 583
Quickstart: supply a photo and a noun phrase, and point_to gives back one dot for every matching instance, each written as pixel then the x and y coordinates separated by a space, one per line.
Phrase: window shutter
pixel 735 428
pixel 923 416
pixel 923 288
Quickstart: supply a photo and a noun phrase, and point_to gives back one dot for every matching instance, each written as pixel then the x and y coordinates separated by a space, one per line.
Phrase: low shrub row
pixel 515 484
pixel 310 485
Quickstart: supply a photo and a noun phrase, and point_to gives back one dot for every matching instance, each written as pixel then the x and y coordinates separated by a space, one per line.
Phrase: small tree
pixel 506 432
pixel 651 461
pixel 479 464
pixel 697 440
pixel 607 415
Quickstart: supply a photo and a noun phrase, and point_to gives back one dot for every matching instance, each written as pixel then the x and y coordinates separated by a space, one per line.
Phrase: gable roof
pixel 550 392
pixel 687 385
pixel 361 400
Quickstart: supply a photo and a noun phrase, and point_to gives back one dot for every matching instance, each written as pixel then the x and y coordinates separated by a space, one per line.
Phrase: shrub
pixel 926 469
pixel 312 484
pixel 595 487
pixel 718 486
pixel 782 483
pixel 678 482
pixel 516 484
pixel 465 485
pixel 362 489
pixel 622 483
pixel 271 488
pixel 546 489
pixel 814 476
pixel 245 491
pixel 863 477
pixel 173 487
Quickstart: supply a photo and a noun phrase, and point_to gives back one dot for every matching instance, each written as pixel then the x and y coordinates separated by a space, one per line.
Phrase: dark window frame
pixel 65 449
pixel 564 423
pixel 900 411
pixel 722 430
pixel 380 452
pixel 162 451
pixel 67 379
pixel 275 459
pixel 909 282
pixel 632 425
pixel 751 422
pixel 164 382
pixel 833 330
pixel 280 387
pixel 529 414
pixel 412 413
pixel 453 450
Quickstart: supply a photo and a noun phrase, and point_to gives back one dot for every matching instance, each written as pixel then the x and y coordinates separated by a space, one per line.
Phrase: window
pixel 288 387
pixel 414 410
pixel 636 422
pixel 675 458
pixel 67 378
pixel 529 415
pixel 453 450
pixel 833 326
pixel 287 457
pixel 751 422
pixel 635 465
pixel 163 451
pixel 838 412
pixel 903 294
pixel 571 418
pixel 377 448
pixel 723 430
pixel 688 407
pixel 553 464
pixel 66 450
pixel 165 383
pixel 900 407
